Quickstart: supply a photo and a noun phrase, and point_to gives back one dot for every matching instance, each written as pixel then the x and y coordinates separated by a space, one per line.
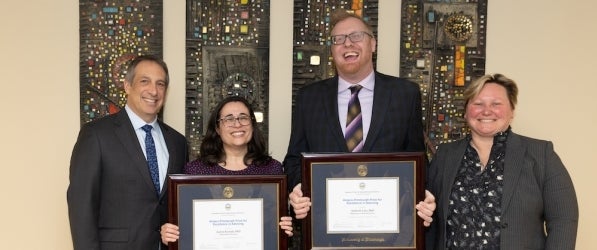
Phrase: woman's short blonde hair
pixel 475 88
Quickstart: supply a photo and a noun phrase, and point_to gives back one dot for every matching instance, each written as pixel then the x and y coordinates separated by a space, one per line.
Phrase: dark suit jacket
pixel 396 123
pixel 537 190
pixel 112 203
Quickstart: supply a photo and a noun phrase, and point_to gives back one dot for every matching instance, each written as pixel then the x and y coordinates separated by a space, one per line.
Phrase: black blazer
pixel 537 191
pixel 112 203
pixel 396 123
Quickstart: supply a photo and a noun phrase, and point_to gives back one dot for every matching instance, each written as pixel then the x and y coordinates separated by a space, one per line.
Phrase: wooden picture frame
pixel 363 200
pixel 220 210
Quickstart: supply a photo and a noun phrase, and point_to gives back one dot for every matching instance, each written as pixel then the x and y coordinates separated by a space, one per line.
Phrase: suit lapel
pixel 331 109
pixel 171 154
pixel 513 165
pixel 381 99
pixel 127 136
pixel 170 144
pixel 453 161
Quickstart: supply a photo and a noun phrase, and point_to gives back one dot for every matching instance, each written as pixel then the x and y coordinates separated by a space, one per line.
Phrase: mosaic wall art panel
pixel 227 53
pixel 442 48
pixel 111 34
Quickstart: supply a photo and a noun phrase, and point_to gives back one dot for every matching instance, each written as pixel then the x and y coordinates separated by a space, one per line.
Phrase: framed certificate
pixel 363 200
pixel 228 211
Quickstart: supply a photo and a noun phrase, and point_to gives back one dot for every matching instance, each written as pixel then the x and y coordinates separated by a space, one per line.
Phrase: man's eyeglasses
pixel 230 120
pixel 354 37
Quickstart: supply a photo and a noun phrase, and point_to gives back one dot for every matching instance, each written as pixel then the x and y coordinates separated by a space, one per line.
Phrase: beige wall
pixel 547 46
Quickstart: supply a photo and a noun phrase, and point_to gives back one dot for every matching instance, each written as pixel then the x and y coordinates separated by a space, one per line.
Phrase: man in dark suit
pixel 113 202
pixel 390 107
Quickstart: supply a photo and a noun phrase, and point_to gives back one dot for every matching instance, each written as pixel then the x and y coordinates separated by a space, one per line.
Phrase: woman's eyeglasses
pixel 230 120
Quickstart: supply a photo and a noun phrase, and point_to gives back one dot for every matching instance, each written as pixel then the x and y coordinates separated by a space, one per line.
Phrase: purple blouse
pixel 197 167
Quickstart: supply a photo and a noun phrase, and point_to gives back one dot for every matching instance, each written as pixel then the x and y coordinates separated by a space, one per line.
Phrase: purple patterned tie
pixel 152 157
pixel 354 121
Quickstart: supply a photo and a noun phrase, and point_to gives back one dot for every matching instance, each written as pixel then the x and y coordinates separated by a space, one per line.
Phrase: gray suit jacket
pixel 112 203
pixel 396 123
pixel 537 191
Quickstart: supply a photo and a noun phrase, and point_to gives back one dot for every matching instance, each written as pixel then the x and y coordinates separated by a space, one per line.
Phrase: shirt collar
pixel 136 120
pixel 367 83
pixel 499 137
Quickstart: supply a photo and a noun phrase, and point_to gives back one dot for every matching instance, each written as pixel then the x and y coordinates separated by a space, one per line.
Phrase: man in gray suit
pixel 113 202
pixel 390 107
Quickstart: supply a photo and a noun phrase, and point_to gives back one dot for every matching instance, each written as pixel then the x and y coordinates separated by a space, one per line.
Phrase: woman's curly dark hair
pixel 212 148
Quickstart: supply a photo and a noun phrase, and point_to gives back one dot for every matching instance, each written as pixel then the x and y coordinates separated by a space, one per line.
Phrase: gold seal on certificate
pixel 362 170
pixel 228 192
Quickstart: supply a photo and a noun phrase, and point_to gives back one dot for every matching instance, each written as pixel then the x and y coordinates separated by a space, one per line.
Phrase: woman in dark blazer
pixel 496 189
